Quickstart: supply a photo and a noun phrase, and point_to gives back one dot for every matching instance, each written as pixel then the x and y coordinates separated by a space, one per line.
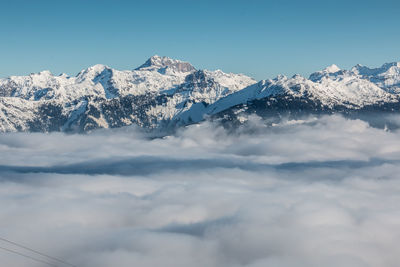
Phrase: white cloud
pixel 317 193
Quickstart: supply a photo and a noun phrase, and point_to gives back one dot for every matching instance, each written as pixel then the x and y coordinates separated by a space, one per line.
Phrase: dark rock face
pixel 116 112
pixel 162 64
pixel 8 89
pixel 273 109
pixel 49 119
pixel 197 82
pixel 104 78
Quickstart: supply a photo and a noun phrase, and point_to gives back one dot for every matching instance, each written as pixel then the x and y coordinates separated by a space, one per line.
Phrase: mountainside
pixel 164 93
pixel 153 95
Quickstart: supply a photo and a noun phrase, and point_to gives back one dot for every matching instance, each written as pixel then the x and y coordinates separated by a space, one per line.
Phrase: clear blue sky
pixel 258 38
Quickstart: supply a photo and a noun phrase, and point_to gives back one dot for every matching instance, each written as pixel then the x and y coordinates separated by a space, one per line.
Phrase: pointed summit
pixel 162 64
pixel 331 69
pixel 94 72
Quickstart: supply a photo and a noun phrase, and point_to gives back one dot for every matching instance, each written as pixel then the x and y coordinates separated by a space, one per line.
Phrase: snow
pixel 331 69
pixel 192 94
pixel 166 64
pixel 332 86
pixel 387 76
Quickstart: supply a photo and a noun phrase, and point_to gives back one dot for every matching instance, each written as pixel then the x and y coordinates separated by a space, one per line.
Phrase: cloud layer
pixel 322 192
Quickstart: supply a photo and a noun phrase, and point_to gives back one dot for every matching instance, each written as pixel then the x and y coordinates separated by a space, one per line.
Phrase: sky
pixel 259 38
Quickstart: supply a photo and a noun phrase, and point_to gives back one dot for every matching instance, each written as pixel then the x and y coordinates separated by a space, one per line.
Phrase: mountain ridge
pixel 167 93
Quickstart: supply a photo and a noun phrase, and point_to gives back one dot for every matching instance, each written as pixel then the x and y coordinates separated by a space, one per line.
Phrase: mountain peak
pixel 98 67
pixel 387 68
pixel 42 73
pixel 159 60
pixel 93 71
pixel 389 65
pixel 161 64
pixel 331 69
pixel 325 72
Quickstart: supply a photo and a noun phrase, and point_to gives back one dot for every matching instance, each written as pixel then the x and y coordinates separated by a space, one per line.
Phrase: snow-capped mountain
pixel 331 87
pixel 164 93
pixel 152 95
pixel 387 76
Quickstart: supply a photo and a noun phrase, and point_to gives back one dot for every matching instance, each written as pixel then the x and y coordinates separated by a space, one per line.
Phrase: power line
pixel 37 252
pixel 29 257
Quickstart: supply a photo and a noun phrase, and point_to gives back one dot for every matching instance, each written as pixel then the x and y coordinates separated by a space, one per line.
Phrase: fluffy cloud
pixel 321 192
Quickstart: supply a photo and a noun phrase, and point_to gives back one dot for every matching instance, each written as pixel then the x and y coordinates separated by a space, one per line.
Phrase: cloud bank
pixel 322 192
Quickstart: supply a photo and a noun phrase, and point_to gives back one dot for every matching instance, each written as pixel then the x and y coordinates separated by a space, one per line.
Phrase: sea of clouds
pixel 321 192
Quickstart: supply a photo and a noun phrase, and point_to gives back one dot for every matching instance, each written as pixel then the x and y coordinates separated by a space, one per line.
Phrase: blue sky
pixel 258 38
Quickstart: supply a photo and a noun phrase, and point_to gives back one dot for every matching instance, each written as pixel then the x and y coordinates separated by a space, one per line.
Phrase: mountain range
pixel 165 93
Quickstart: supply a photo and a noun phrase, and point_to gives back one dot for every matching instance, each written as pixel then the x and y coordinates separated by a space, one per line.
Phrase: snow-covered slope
pixel 387 76
pixel 98 80
pixel 154 93
pixel 165 92
pixel 331 87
